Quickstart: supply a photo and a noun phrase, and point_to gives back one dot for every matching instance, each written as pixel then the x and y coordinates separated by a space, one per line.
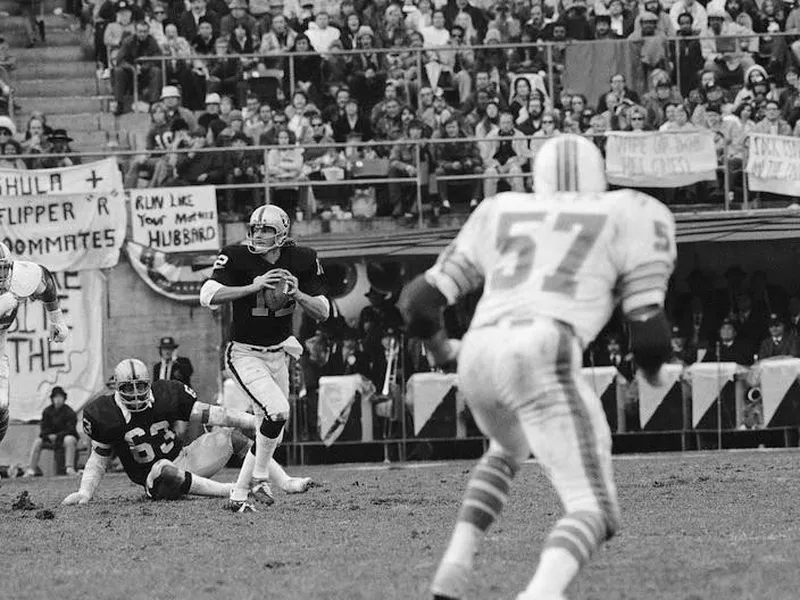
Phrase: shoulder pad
pixel 25 278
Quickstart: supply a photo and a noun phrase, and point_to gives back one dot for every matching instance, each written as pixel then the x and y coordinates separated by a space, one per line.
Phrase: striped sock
pixel 569 547
pixel 486 494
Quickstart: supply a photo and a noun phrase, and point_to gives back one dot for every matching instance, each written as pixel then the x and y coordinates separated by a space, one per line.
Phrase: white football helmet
pixel 132 384
pixel 269 229
pixel 6 267
pixel 569 163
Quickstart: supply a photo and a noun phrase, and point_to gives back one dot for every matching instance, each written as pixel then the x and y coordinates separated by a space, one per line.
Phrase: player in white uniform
pixel 553 266
pixel 21 281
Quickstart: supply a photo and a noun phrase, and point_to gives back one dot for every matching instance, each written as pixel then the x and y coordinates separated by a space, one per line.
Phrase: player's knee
pixel 272 428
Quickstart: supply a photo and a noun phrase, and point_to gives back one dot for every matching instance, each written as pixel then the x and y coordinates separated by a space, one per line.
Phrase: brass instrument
pixel 754 394
pixel 384 402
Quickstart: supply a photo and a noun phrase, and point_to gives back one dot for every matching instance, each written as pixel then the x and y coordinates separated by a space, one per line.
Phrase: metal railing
pixel 420 180
pixel 420 53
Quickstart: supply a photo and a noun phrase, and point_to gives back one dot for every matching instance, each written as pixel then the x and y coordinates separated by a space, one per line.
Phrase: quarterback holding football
pixel 266 280
pixel 136 424
pixel 21 281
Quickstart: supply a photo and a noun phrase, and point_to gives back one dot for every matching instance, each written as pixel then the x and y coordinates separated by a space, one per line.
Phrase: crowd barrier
pixel 649 160
pixel 702 398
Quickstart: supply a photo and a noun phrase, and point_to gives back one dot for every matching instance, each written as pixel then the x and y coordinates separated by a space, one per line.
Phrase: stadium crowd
pixel 296 86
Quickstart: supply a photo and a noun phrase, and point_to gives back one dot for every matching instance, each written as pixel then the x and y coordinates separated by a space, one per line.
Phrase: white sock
pixel 265 448
pixel 207 487
pixel 277 474
pixel 241 489
pixel 557 568
pixel 463 544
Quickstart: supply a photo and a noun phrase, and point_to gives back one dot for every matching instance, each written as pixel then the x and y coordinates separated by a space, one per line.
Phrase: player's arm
pixel 224 285
pixel 650 253
pixel 47 292
pixel 456 273
pixel 93 472
pixel 308 290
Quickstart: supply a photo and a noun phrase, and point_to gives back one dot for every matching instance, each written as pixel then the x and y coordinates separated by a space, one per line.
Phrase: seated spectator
pixel 211 120
pixel 337 110
pixel 58 144
pixel 190 20
pixel 727 56
pixel 459 63
pixel 389 127
pixel 752 77
pixel 533 115
pixel 235 125
pixel 157 142
pixel 279 39
pixel 224 73
pixel 772 123
pixel 779 343
pixel 257 128
pixel 237 16
pixel 240 42
pixel 9 155
pixel 731 348
pixel 681 352
pixel 457 158
pixel 179 68
pixel 307 70
pixel 171 97
pixel 148 73
pixel 351 122
pixel 165 167
pixel 7 130
pixel 321 34
pixel 637 118
pixel 652 45
pixel 204 42
pixel 322 153
pixel 57 430
pixel 367 72
pixel 198 168
pixel 116 32
pixel 393 32
pixel 157 22
pixel 285 164
pixel 298 114
pixel 619 91
pixel 406 160
pixel 440 112
pixel 505 158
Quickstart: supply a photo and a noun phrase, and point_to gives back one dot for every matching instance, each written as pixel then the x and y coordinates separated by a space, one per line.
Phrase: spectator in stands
pixel 406 161
pixel 7 130
pixel 751 324
pixel 729 57
pixel 204 42
pixel 279 39
pixel 620 92
pixel 211 120
pixel 689 55
pixel 321 33
pixel 177 47
pixel 157 142
pixel 116 32
pixel 57 430
pixel 681 352
pixel 285 164
pixel 148 73
pixel 533 114
pixel 298 113
pixel 189 23
pixel 389 127
pixel 505 158
pixel 198 168
pixel 351 122
pixel 338 109
pixel 164 169
pixel 389 95
pixel 731 348
pixel 772 123
pixel 9 155
pixel 157 22
pixel 307 70
pixel 171 366
pixel 728 140
pixel 457 158
pixel 778 343
pixel 171 97
pixel 692 8
pixel 367 73
pixel 58 144
pixel 237 16
pixel 794 315
pixel 225 72
pixel 257 129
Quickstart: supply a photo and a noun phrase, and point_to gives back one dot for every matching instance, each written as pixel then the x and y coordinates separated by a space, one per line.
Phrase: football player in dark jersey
pixel 136 424
pixel 266 280
pixel 22 281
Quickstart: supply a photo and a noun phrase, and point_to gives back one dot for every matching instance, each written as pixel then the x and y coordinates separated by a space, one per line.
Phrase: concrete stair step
pixel 85 122
pixel 89 140
pixel 65 105
pixel 56 87
pixel 12 7
pixel 56 38
pixel 52 54
pixel 51 21
pixel 54 70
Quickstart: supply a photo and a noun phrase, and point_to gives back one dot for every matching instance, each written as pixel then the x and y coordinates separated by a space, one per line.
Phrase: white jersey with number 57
pixel 567 256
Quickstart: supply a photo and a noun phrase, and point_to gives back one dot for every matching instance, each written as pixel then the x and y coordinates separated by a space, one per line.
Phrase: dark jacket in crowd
pixel 180 370
pixel 60 421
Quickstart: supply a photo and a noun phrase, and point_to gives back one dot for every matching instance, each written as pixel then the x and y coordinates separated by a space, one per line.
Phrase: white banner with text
pixel 36 365
pixel 773 164
pixel 181 219
pixel 67 219
pixel 660 160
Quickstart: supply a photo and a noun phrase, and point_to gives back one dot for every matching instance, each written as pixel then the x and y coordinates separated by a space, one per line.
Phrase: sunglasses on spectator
pixel 159 12
pixel 317 124
pixel 4 131
pixel 547 121
pixel 637 118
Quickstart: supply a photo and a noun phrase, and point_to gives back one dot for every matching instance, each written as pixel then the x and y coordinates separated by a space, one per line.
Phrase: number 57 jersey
pixel 571 257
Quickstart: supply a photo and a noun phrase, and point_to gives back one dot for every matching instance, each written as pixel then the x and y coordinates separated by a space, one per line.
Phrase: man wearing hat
pixel 778 343
pixel 58 143
pixel 211 119
pixel 137 46
pixel 57 430
pixel 171 97
pixel 172 366
pixel 731 347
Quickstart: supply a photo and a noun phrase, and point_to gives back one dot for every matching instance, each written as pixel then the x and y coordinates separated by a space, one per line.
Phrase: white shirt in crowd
pixel 321 39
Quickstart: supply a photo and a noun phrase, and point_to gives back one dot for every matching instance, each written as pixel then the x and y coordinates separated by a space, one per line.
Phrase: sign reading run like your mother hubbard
pixel 67 219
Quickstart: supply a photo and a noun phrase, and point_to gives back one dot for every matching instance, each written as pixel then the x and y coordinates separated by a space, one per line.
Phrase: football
pixel 277 298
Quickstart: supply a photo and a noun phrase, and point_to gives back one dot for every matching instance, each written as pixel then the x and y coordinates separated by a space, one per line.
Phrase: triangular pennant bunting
pixel 650 397
pixel 708 379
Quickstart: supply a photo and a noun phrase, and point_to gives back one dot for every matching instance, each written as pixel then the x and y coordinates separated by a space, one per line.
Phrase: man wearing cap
pixel 778 343
pixel 211 119
pixel 171 97
pixel 731 347
pixel 57 430
pixel 149 73
pixel 172 366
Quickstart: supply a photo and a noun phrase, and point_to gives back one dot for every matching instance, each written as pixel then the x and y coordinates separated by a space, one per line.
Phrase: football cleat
pixel 240 506
pixel 298 485
pixel 262 493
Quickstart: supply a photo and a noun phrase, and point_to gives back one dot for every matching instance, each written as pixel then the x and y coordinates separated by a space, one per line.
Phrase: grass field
pixel 695 526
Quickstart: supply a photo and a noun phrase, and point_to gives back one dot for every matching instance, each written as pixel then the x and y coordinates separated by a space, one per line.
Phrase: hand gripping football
pixel 277 297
